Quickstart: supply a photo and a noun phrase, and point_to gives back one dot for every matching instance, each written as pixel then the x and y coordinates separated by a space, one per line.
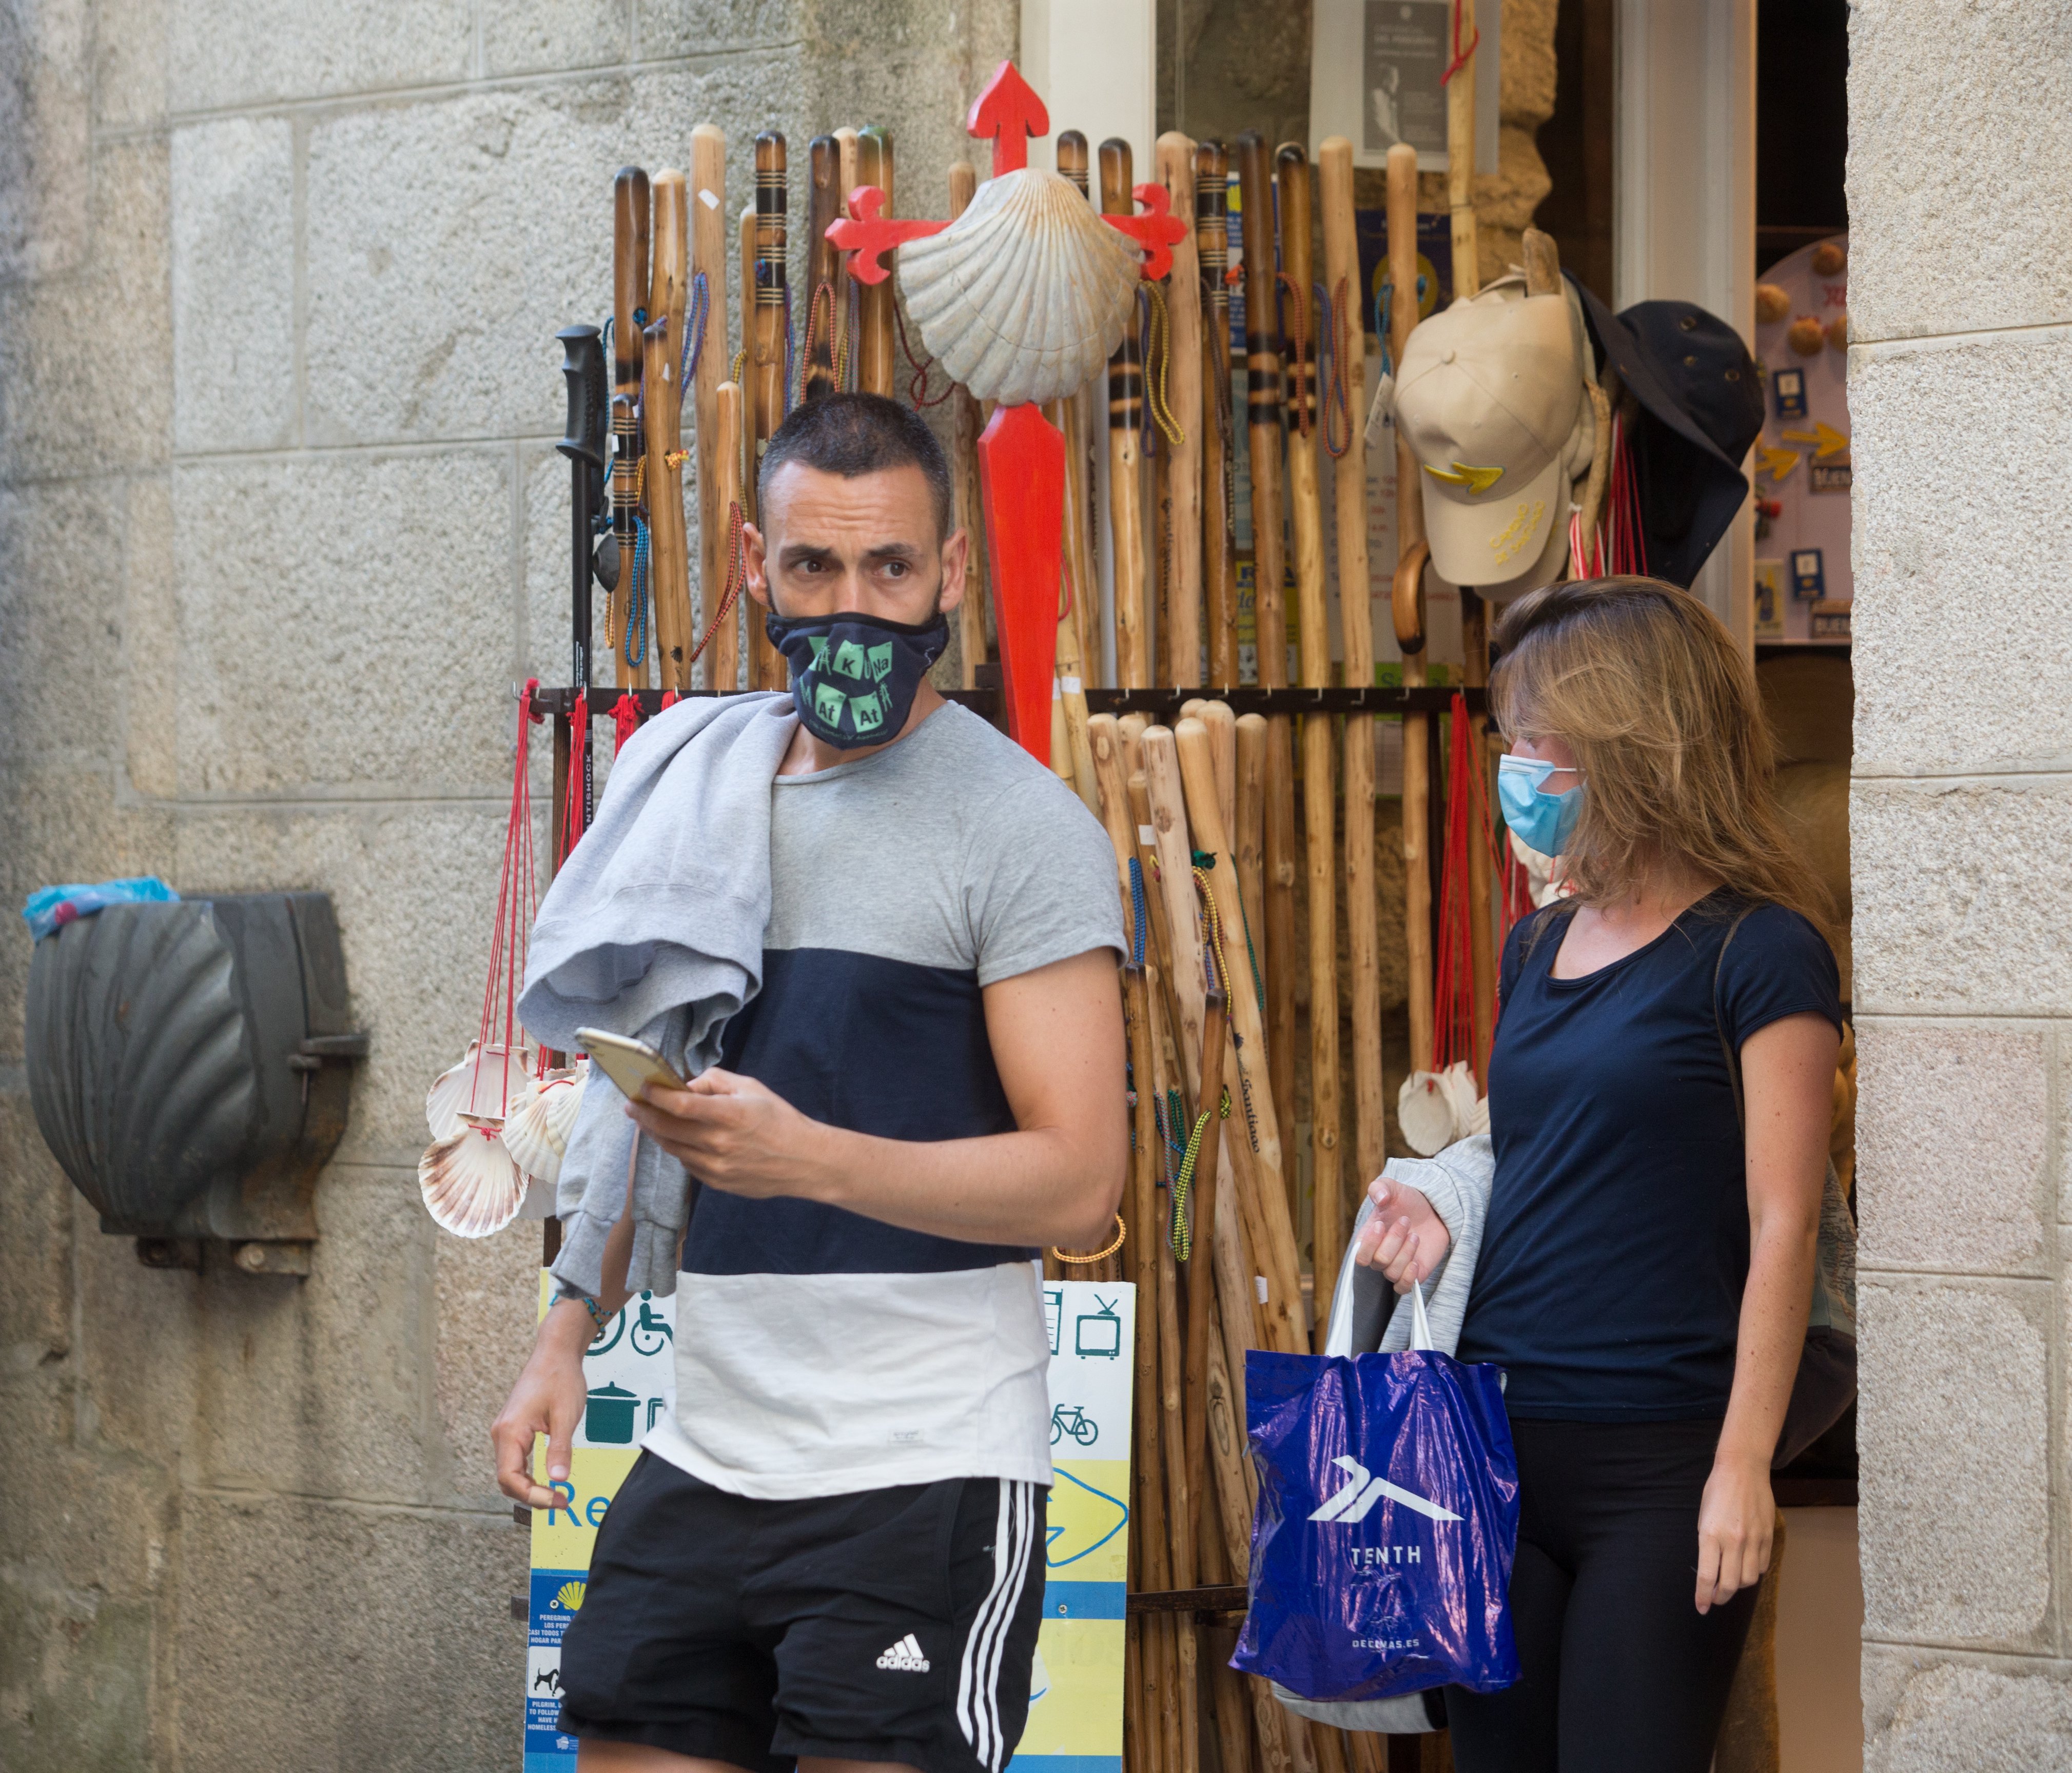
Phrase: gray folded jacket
pixel 654 928
pixel 1368 1316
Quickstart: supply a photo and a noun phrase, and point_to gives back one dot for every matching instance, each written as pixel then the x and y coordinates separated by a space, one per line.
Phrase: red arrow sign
pixel 1156 230
pixel 1009 111
pixel 866 234
pixel 1021 473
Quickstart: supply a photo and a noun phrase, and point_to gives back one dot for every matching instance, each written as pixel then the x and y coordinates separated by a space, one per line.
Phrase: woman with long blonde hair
pixel 1660 1089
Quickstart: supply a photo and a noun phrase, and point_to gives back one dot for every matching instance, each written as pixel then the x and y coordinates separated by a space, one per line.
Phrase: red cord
pixel 517 902
pixel 626 717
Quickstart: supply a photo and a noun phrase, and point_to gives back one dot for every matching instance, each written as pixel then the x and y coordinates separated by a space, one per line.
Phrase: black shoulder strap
pixel 1719 1022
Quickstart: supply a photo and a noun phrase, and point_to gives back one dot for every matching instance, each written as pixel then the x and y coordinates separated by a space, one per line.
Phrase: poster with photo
pixel 1375 73
pixel 1804 588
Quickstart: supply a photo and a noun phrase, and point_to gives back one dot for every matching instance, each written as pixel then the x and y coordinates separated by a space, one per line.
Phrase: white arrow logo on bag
pixel 1352 1503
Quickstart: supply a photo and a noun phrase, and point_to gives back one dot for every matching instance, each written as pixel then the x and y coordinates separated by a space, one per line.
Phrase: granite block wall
pixel 1961 826
pixel 281 524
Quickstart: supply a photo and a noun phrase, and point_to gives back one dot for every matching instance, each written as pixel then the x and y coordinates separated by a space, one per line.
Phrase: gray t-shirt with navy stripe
pixel 818 1350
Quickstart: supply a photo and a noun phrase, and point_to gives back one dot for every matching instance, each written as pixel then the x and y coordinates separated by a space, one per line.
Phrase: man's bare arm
pixel 1057 1040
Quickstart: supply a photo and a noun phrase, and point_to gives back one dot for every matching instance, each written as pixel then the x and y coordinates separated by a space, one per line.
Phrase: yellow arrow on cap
pixel 1827 439
pixel 1476 480
pixel 1778 463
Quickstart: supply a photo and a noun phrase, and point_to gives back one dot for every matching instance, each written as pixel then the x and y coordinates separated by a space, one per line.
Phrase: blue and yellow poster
pixel 630 1372
pixel 1075 1698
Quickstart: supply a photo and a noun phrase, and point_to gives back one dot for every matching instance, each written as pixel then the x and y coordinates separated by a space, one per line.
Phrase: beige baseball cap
pixel 1491 397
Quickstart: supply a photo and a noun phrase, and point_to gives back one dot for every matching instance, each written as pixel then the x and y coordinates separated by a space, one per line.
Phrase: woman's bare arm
pixel 1788 1081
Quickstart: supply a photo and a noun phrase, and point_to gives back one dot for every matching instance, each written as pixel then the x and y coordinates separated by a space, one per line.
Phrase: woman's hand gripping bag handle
pixel 1387 1520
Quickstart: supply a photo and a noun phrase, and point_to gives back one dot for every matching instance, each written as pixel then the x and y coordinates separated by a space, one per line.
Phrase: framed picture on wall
pixel 1375 69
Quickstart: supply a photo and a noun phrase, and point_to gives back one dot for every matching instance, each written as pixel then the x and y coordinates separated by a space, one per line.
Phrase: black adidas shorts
pixel 886 1625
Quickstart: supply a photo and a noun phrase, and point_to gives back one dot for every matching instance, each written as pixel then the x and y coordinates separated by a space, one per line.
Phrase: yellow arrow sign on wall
pixel 1827 441
pixel 1778 463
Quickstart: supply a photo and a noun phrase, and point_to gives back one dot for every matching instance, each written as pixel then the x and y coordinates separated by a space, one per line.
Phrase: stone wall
pixel 280 524
pixel 1962 833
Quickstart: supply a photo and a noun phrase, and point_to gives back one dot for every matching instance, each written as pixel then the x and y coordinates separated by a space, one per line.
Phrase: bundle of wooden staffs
pixel 1211 868
pixel 670 324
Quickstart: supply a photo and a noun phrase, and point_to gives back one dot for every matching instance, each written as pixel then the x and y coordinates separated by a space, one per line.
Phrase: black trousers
pixel 1621 1673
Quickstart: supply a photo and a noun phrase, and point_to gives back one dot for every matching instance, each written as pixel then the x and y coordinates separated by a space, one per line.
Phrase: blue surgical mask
pixel 1543 822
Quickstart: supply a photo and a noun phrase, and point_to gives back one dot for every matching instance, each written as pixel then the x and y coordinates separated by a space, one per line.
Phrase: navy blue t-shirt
pixel 1616 1247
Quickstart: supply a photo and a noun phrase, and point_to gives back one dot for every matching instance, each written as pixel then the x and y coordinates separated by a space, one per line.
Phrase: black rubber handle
pixel 582 366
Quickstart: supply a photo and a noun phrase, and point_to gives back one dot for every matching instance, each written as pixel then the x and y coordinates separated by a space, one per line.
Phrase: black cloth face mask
pixel 854 677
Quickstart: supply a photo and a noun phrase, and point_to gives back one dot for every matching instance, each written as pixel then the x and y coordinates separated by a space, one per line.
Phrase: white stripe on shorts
pixel 978 1672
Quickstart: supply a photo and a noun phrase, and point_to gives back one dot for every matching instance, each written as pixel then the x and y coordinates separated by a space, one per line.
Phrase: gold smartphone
pixel 630 1064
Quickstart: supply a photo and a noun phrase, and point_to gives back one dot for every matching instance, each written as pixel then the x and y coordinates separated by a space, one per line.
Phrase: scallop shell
pixel 1458 1080
pixel 471 1186
pixel 460 1091
pixel 1807 336
pixel 1772 303
pixel 1025 295
pixel 571 1595
pixel 1424 1111
pixel 538 1132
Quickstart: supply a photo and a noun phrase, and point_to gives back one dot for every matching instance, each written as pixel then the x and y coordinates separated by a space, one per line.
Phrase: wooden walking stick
pixel 1181 506
pixel 1346 395
pixel 823 269
pixel 1263 383
pixel 848 293
pixel 629 294
pixel 1206 1155
pixel 968 421
pixel 1218 514
pixel 1125 426
pixel 1182 1486
pixel 708 205
pixel 769 369
pixel 1263 398
pixel 1222 723
pixel 874 347
pixel 1250 837
pixel 1074 762
pixel 1306 506
pixel 1269 1229
pixel 1407 613
pixel 1242 1172
pixel 1153 1545
pixel 662 417
pixel 1080 474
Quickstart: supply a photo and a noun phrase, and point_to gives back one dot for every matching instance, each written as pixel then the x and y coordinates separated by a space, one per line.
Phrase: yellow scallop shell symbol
pixel 571 1596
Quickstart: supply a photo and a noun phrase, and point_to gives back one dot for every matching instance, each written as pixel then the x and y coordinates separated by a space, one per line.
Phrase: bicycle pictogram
pixel 1073 1420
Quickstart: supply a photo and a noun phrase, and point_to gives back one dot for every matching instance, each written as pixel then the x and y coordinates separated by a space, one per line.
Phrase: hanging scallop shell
pixel 470 1087
pixel 538 1132
pixel 1458 1080
pixel 471 1186
pixel 1424 1111
pixel 1025 295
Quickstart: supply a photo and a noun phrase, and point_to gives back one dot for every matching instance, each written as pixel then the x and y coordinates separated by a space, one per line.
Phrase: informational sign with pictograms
pixel 630 1373
pixel 1076 1694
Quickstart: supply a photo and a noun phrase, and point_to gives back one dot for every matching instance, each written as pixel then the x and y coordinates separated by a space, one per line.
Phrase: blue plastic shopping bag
pixel 1387 1519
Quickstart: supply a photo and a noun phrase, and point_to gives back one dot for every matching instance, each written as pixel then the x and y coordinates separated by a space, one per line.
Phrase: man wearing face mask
pixel 834 1554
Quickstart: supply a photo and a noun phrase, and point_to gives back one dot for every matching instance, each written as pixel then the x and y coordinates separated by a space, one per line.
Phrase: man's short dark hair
pixel 856 434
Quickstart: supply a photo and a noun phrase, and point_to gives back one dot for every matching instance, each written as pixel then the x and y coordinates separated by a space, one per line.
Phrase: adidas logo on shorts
pixel 904 1655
